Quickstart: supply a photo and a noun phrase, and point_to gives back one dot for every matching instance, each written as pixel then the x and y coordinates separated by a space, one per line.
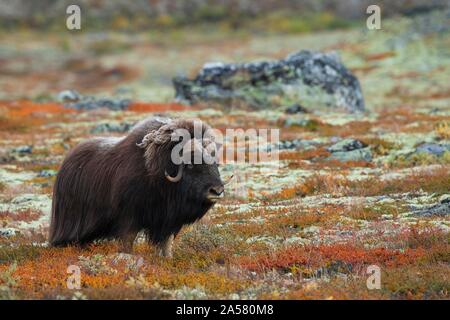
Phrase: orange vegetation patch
pixel 406 95
pixel 344 164
pixel 47 274
pixel 299 220
pixel 363 70
pixel 281 221
pixel 317 126
pixel 237 122
pixel 289 193
pixel 304 155
pixel 48 271
pixel 407 75
pixel 405 282
pixel 351 128
pixel 324 255
pixel 295 161
pixel 435 240
pixel 26 108
pixel 254 213
pixel 406 115
pixel 156 107
pixel 20 116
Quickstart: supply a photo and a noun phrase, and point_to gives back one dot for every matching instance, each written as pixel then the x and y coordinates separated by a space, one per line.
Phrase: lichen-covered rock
pixel 346 145
pixel 15 178
pixel 96 264
pixel 312 79
pixel 296 108
pixel 433 148
pixel 297 144
pixel 111 127
pixel 356 155
pixel 442 208
pixel 47 173
pixel 132 262
pixel 350 150
pixel 73 99
pixel 21 150
pixel 7 232
pixel 69 96
pixel 38 202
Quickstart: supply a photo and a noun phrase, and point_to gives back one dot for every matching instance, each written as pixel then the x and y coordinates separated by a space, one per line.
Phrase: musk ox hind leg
pixel 165 247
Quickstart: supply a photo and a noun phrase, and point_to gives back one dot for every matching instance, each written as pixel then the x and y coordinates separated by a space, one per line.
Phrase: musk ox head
pixel 183 153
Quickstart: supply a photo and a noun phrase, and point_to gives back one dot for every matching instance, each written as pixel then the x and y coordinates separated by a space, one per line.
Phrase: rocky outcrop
pixel 111 127
pixel 442 208
pixel 435 149
pixel 73 99
pixel 311 79
pixel 7 232
pixel 350 150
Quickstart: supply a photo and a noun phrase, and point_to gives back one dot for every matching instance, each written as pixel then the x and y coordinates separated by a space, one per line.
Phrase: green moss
pixel 7 283
pixel 419 159
pixel 287 22
pixel 109 46
pixel 424 282
pixel 19 253
pixel 381 147
pixel 372 213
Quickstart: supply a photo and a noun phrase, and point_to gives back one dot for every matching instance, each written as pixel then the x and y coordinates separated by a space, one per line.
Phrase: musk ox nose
pixel 216 190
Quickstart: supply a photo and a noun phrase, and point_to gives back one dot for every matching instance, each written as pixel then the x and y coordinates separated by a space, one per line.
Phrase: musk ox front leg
pixel 165 247
pixel 127 242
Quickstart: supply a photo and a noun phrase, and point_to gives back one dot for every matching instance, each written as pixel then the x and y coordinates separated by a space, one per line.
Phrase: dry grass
pixel 442 129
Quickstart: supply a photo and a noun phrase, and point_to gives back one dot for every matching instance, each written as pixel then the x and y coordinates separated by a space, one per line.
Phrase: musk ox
pixel 113 188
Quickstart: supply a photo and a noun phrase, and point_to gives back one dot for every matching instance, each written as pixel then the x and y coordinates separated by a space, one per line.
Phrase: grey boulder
pixel 350 150
pixel 313 80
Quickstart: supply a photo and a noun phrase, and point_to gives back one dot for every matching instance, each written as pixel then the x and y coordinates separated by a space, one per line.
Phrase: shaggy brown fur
pixel 116 187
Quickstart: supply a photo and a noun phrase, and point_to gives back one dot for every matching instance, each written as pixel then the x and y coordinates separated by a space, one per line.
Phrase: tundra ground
pixel 308 230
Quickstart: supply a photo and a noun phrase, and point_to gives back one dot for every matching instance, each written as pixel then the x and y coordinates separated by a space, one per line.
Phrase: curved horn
pixel 145 141
pixel 177 177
